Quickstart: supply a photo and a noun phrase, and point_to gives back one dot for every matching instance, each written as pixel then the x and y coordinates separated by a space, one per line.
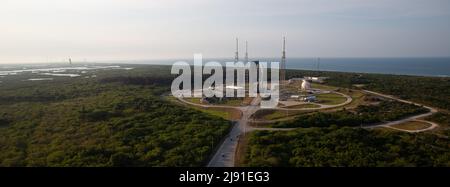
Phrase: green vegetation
pixel 337 147
pixel 107 121
pixel 124 118
pixel 433 91
pixel 333 142
pixel 331 145
pixel 412 125
pixel 226 101
pixel 362 115
pixel 307 105
pixel 225 113
pixel 276 115
pixel 443 119
pixel 323 87
pixel 222 113
pixel 270 114
pixel 330 99
pixel 193 100
pixel 232 102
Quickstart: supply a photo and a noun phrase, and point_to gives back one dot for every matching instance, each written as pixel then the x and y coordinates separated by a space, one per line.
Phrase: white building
pixel 316 79
pixel 310 98
pixel 306 85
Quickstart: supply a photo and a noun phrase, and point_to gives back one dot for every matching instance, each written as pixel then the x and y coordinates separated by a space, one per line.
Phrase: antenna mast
pixel 236 58
pixel 246 51
pixel 283 61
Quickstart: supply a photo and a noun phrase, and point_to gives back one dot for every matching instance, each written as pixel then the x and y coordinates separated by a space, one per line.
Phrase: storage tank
pixel 306 85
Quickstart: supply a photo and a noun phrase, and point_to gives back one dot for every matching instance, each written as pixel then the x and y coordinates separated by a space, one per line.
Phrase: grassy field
pixel 215 112
pixel 412 125
pixel 240 150
pixel 323 87
pixel 357 97
pixel 267 114
pixel 232 102
pixel 108 121
pixel 193 100
pixel 344 147
pixel 276 115
pixel 330 99
pixel 308 105
pixel 228 114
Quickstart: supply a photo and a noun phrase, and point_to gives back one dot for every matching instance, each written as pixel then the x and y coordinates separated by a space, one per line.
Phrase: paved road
pixel 412 118
pixel 432 110
pixel 224 156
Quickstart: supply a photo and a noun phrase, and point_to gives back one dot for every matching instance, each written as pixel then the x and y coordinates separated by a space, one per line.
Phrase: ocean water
pixel 437 67
pixel 402 66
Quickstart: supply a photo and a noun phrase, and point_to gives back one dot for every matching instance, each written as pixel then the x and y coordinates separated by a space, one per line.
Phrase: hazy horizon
pixel 112 30
pixel 230 59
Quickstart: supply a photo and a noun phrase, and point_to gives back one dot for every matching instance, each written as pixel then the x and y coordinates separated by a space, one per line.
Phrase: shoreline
pixel 4 67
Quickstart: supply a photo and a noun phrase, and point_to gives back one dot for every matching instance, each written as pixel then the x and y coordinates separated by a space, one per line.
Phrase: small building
pixel 295 80
pixel 316 79
pixel 295 96
pixel 309 98
pixel 306 85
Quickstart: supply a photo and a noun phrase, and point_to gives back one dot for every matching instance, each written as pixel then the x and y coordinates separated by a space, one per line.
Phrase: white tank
pixel 306 85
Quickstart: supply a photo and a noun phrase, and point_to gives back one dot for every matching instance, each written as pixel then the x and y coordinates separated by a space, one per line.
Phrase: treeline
pixel 345 147
pixel 47 91
pixel 154 80
pixel 362 115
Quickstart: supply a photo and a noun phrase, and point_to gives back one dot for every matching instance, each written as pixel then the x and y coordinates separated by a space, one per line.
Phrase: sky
pixel 102 30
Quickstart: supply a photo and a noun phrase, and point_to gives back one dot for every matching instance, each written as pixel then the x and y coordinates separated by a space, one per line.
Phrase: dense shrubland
pixel 355 147
pixel 361 116
pixel 433 91
pixel 121 121
pixel 120 118
pixel 333 142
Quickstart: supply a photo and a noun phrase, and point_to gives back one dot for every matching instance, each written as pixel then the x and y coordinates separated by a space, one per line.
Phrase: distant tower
pixel 283 62
pixel 247 73
pixel 318 64
pixel 70 61
pixel 306 85
pixel 236 58
pixel 246 51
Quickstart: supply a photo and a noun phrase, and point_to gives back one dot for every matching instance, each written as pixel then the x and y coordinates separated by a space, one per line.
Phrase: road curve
pixel 224 156
pixel 322 106
pixel 412 118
